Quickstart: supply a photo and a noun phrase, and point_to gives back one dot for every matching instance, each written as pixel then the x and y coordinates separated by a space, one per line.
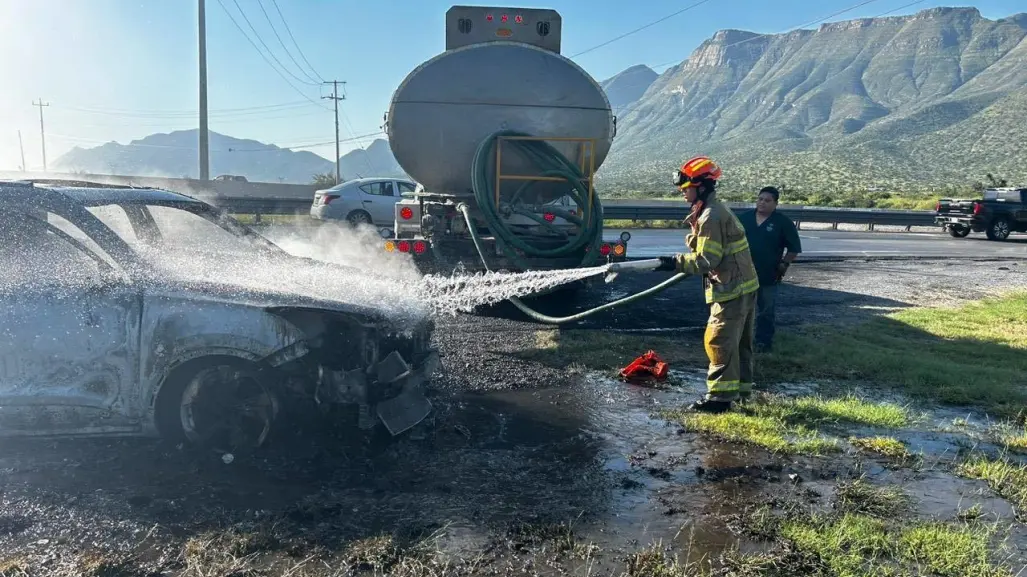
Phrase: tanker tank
pixel 445 108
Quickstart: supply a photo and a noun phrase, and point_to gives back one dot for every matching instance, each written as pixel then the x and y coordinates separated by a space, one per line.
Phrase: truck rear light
pixel 403 246
pixel 618 249
pixel 977 208
pixel 420 246
pixel 390 246
pixel 604 250
pixel 937 207
pixel 406 213
pixel 329 198
pixel 550 217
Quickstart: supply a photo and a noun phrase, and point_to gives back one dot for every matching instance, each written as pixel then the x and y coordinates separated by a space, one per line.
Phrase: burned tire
pixel 998 229
pixel 959 231
pixel 219 403
pixel 359 217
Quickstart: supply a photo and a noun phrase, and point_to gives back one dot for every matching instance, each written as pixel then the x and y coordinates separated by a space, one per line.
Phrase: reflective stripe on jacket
pixel 720 253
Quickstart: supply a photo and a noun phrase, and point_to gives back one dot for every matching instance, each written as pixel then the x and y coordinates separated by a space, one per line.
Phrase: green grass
pixel 763 431
pixel 945 549
pixel 819 410
pixel 1007 479
pixel 860 496
pixel 1015 441
pixel 857 545
pixel 887 446
pixel 972 355
pixel 654 561
pixel 617 224
pixel 788 425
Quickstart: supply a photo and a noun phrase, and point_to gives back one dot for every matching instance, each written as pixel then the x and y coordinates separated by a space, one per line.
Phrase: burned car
pixel 139 311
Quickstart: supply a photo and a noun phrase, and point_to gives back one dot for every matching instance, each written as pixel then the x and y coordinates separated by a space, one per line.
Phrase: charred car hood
pixel 274 299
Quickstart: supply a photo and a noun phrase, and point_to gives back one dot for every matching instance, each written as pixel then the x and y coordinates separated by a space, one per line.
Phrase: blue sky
pixel 122 69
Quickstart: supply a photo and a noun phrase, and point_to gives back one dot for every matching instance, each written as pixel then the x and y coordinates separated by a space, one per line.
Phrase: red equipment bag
pixel 648 367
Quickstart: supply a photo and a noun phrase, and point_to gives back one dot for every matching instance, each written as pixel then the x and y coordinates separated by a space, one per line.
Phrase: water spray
pixel 611 270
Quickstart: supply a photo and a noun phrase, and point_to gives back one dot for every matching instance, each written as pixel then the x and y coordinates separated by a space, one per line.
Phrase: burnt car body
pixel 96 341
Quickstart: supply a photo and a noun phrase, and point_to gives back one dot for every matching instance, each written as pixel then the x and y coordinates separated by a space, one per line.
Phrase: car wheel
pixel 959 231
pixel 219 403
pixel 998 229
pixel 359 217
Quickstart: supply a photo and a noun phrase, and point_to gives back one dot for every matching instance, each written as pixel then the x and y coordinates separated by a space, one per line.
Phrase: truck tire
pixel 191 405
pixel 959 231
pixel 998 229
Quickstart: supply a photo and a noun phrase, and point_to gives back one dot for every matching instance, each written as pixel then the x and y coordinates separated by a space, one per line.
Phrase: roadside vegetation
pixel 971 355
pixel 796 425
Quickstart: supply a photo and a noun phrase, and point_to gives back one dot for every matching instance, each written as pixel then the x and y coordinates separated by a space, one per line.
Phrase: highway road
pixel 651 243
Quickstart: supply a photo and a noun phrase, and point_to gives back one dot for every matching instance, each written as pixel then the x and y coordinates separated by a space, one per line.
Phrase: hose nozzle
pixel 616 268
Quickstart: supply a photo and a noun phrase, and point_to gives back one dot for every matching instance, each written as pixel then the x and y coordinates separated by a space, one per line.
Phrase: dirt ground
pixel 528 469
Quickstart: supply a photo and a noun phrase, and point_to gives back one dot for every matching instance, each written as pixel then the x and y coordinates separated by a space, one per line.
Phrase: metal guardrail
pixel 635 210
pixel 265 198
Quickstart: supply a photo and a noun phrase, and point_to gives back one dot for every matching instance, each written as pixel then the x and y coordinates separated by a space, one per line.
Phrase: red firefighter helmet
pixel 695 170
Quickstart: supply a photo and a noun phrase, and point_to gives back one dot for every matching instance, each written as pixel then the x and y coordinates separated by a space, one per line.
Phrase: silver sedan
pixel 361 201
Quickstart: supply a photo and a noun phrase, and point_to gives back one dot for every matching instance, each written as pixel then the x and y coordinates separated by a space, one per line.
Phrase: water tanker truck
pixel 503 135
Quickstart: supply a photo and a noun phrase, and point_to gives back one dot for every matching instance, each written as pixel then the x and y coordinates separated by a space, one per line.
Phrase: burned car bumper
pixel 391 390
pixel 409 406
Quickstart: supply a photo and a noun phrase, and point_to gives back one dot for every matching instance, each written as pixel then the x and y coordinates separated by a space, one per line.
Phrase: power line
pixel 243 32
pixel 309 145
pixel 641 28
pixel 298 49
pixel 287 53
pixel 360 141
pixel 266 47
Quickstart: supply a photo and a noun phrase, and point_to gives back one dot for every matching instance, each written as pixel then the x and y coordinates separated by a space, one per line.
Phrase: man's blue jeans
pixel 766 301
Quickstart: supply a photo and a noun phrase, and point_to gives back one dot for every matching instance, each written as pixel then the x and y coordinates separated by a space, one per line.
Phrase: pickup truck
pixel 1000 212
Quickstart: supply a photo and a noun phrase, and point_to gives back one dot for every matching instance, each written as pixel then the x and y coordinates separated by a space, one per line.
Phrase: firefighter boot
pixel 711 404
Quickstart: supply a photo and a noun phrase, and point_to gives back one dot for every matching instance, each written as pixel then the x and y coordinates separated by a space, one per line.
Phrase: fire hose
pixel 552 163
pixel 649 264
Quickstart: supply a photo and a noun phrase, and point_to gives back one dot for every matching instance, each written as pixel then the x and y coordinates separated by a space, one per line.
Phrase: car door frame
pixel 111 374
pixel 382 213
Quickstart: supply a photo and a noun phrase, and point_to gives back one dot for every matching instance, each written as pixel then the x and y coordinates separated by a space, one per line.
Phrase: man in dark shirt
pixel 769 233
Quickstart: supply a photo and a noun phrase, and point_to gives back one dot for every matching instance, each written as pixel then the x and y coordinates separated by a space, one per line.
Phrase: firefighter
pixel 720 253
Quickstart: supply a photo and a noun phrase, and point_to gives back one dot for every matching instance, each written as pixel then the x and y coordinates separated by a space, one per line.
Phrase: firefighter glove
pixel 666 264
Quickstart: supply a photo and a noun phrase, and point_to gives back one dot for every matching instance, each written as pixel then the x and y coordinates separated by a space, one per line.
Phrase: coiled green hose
pixel 550 162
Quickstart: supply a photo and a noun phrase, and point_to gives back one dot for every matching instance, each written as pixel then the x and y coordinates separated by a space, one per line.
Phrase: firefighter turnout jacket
pixel 720 253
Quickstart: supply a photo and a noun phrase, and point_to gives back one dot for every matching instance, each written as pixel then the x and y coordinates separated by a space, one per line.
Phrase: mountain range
pixel 174 155
pixel 930 101
pixel 627 86
pixel 933 100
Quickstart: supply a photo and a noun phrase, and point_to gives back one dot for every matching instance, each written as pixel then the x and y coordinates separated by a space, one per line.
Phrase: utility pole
pixel 204 143
pixel 22 147
pixel 42 134
pixel 336 98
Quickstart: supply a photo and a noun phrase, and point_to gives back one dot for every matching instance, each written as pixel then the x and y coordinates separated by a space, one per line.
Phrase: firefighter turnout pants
pixel 729 344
